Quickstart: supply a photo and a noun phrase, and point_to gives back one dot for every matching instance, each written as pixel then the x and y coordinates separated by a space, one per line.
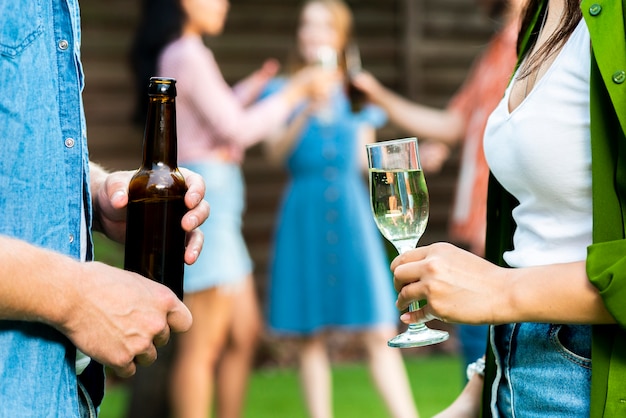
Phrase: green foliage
pixel 107 251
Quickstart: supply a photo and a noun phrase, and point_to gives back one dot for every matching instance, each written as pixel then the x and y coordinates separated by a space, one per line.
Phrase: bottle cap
pixel 162 86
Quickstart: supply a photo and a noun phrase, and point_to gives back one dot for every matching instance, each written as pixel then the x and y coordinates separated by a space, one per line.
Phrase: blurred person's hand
pixel 312 82
pixel 433 155
pixel 368 84
pixel 322 86
pixel 269 68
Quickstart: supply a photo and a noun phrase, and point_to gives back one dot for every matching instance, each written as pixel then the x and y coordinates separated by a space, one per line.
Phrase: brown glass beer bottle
pixel 155 239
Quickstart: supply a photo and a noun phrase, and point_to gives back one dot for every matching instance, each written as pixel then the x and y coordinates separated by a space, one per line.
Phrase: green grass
pixel 275 393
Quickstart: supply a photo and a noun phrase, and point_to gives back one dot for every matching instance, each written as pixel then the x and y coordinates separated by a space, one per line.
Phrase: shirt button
pixel 71 238
pixel 331 237
pixel 595 9
pixel 619 77
pixel 63 44
pixel 331 194
pixel 330 173
pixel 69 142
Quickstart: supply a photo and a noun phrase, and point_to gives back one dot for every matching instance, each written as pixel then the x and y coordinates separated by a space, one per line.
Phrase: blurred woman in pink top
pixel 216 123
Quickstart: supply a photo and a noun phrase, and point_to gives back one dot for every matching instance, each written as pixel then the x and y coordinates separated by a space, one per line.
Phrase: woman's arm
pixel 463 288
pixel 467 404
pixel 425 122
pixel 281 142
pixel 214 101
pixel 249 89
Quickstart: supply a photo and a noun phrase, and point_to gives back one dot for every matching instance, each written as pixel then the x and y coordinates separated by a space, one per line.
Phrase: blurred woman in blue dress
pixel 329 269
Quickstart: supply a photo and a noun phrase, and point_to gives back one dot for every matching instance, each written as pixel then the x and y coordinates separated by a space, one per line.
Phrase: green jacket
pixel 606 257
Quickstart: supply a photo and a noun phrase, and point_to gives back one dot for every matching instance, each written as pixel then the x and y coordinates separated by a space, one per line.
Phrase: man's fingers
pixel 125 371
pixel 147 358
pixel 162 338
pixel 195 241
pixel 179 319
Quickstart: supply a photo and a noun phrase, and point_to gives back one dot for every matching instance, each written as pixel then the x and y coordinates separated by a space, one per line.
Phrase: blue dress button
pixel 619 77
pixel 595 9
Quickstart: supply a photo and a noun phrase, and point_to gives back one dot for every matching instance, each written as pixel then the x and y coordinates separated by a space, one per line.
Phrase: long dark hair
pixel 161 22
pixel 569 21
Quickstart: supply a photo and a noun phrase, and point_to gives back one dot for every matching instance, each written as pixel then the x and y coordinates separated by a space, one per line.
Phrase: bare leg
pixel 389 374
pixel 234 368
pixel 198 352
pixel 315 376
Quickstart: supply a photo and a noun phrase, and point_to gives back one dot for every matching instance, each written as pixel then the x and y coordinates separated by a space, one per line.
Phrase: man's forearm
pixel 34 282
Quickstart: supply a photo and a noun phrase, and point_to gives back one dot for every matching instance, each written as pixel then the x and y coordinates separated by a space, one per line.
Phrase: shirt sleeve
pixel 606 269
pixel 373 115
pixel 213 101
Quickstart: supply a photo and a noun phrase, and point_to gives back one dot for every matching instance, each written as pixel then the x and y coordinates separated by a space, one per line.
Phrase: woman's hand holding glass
pixel 400 206
pixel 459 286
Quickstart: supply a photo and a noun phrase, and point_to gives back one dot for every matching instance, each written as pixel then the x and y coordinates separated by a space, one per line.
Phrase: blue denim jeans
pixel 544 370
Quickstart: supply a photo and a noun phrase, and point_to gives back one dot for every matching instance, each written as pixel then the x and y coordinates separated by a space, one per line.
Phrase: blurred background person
pixel 216 123
pixel 329 269
pixel 462 121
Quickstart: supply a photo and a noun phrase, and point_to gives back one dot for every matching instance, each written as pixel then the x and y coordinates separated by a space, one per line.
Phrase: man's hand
pixel 119 318
pixel 112 315
pixel 111 197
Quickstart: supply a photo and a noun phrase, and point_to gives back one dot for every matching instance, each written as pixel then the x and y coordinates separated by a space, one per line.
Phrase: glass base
pixel 418 336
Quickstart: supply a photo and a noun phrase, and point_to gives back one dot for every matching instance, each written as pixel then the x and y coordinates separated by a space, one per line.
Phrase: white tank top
pixel 541 153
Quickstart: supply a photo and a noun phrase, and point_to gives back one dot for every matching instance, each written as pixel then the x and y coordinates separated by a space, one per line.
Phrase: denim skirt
pixel 224 259
pixel 544 370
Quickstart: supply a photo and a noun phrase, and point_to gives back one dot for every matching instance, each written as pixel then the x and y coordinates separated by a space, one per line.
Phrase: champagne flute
pixel 399 200
pixel 326 58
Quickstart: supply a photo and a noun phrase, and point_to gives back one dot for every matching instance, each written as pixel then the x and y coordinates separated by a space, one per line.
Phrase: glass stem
pixel 414 306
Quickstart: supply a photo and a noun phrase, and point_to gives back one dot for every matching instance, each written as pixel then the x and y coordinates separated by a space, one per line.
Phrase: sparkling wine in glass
pixel 399 200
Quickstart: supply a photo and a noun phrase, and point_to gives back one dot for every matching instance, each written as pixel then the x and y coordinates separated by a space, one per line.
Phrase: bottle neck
pixel 159 141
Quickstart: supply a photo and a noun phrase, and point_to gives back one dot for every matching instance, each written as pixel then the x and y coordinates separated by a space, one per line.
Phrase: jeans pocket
pixel 573 342
pixel 21 22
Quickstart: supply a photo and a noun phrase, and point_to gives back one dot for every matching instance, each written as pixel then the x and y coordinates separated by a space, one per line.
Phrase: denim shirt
pixel 44 193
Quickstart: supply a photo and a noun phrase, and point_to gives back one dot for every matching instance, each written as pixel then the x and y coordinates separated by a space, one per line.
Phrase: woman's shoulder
pixel 187 57
pixel 186 49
